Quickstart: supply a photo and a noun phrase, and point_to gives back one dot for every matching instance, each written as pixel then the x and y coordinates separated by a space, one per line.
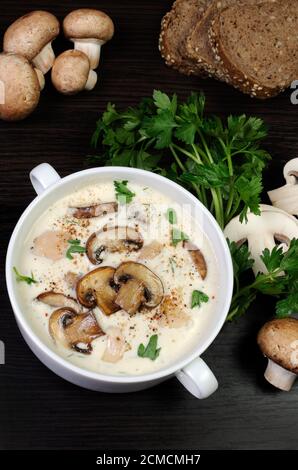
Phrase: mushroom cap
pixel 278 340
pixel 152 285
pixel 57 299
pixel 29 34
pixel 97 288
pixel 112 239
pixel 70 72
pixel 94 210
pixel 20 85
pixel 88 23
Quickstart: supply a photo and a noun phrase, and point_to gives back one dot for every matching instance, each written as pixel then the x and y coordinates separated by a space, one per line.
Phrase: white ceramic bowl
pixel 190 369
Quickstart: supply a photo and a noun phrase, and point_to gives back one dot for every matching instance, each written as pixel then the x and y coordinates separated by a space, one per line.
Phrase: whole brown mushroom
pixel 278 341
pixel 71 73
pixel 20 87
pixel 31 36
pixel 88 29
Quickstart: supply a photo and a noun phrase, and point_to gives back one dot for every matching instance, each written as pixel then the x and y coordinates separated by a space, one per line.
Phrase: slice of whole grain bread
pixel 256 46
pixel 174 30
pixel 198 46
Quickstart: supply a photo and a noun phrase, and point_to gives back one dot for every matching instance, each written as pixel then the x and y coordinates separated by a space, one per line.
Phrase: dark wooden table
pixel 38 410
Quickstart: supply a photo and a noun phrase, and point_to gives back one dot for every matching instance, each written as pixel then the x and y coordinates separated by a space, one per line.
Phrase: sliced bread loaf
pixel 175 27
pixel 256 46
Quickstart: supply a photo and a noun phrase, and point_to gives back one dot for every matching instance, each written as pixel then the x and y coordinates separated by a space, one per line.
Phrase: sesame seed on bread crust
pixel 174 29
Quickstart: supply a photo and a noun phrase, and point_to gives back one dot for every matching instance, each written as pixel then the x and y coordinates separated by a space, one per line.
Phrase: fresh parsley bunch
pixel 280 281
pixel 220 161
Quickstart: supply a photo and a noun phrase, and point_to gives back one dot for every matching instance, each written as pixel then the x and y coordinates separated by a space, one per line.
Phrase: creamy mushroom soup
pixel 118 279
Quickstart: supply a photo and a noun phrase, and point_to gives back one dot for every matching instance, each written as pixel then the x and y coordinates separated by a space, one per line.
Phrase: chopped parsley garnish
pixel 178 236
pixel 75 247
pixel 172 216
pixel 27 279
pixel 150 351
pixel 198 297
pixel 123 194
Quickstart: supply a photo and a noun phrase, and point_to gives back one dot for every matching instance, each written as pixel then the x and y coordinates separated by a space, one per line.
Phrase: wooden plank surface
pixel 38 410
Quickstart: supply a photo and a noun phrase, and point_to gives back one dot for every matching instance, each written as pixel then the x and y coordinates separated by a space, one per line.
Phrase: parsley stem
pixel 186 153
pixel 201 196
pixel 230 202
pixel 196 153
pixel 208 153
pixel 258 281
pixel 241 151
pixel 231 214
pixel 216 195
pixel 180 164
pixel 217 208
pixel 203 190
pixel 228 155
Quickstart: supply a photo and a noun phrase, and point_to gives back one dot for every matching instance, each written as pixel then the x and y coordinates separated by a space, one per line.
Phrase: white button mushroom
pixel 263 231
pixel 31 36
pixel 21 87
pixel 278 341
pixel 286 197
pixel 88 29
pixel 71 73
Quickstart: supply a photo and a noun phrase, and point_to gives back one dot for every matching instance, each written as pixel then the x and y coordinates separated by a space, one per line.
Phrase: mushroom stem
pixel 45 59
pixel 41 78
pixel 90 47
pixel 279 377
pixel 92 80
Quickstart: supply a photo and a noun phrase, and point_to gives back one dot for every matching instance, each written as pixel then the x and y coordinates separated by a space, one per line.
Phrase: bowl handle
pixel 43 176
pixel 198 379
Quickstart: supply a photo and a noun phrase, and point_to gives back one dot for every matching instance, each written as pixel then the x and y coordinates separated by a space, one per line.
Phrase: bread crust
pixel 183 16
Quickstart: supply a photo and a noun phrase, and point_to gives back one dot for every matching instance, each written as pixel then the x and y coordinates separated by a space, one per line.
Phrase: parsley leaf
pixel 287 306
pixel 198 297
pixel 272 259
pixel 75 247
pixel 241 258
pixel 163 102
pixel 123 194
pixel 161 127
pixel 21 278
pixel 171 216
pixel 150 351
pixel 249 191
pixel 178 236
